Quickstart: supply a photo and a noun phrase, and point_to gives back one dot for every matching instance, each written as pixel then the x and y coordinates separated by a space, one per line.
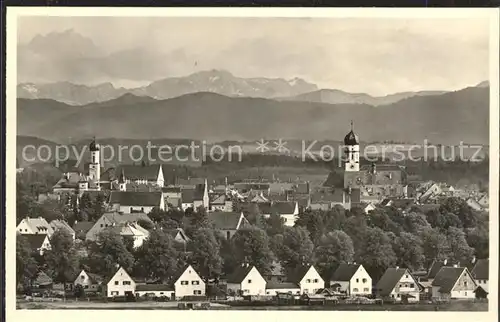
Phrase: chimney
pixel 248 264
pixel 445 261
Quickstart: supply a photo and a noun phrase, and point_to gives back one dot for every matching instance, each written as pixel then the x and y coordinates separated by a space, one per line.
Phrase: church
pixel 369 183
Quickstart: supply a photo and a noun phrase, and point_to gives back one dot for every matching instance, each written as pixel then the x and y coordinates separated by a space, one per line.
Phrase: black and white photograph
pixel 302 161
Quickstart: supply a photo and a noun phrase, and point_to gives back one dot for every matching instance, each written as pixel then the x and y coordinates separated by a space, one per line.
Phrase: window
pixel 465 283
pixel 366 290
pixel 126 283
pixel 406 275
pixel 412 285
pixel 102 225
pixel 116 282
pixel 364 280
pixel 82 277
pixel 86 286
pixel 397 296
pixel 184 282
pixel 355 290
pixel 308 281
pixel 249 281
pixel 195 282
pixel 228 235
pixel 465 293
pixel 161 293
pixel 315 280
pixel 357 280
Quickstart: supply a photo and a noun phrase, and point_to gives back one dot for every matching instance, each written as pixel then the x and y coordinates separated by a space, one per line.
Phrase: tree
pixel 333 248
pixel 409 251
pixel 86 206
pixel 206 257
pixel 79 291
pixel 157 258
pixel 434 244
pixel 376 253
pixel 297 248
pixel 252 245
pixel 461 252
pixel 146 224
pixel 199 219
pixel 274 225
pixel 478 238
pixel 415 222
pixel 313 222
pixel 26 266
pixel 108 252
pixel 356 228
pixel 61 259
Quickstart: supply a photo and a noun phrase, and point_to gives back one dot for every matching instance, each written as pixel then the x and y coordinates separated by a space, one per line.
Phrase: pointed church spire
pixel 352 125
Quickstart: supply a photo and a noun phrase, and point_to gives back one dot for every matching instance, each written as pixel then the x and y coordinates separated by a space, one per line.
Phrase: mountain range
pixel 446 118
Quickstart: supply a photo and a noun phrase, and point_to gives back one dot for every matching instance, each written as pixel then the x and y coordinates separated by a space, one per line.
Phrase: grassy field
pixel 452 306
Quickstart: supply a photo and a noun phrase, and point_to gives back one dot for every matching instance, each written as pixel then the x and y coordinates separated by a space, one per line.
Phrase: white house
pixel 121 284
pixel 113 219
pixel 288 210
pixel 480 272
pixel 246 280
pixel 471 202
pixel 34 226
pixel 453 283
pixel 38 243
pixel 398 284
pixel 136 201
pixel 308 279
pixel 132 230
pixel 155 290
pixel 89 281
pixel 189 284
pixel 352 279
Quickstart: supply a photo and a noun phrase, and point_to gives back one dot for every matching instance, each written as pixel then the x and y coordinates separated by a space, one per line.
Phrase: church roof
pixel 93 146
pixel 351 139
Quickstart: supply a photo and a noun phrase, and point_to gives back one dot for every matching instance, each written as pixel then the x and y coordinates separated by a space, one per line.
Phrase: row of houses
pixel 349 280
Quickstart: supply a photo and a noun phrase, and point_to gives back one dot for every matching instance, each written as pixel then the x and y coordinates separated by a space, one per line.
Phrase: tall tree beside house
pixel 199 219
pixel 252 214
pixel 62 260
pixel 274 225
pixel 206 256
pixel 108 251
pixel 461 209
pixel 434 244
pixel 376 252
pixel 276 244
pixel 251 245
pixel 415 222
pixel 99 206
pixel 478 238
pixel 229 260
pixel 25 203
pixel 333 248
pixel 409 251
pixel 460 250
pixel 26 265
pixel 86 206
pixel 297 248
pixel 380 218
pixel 157 258
pixel 313 222
pixel 335 219
pixel 356 227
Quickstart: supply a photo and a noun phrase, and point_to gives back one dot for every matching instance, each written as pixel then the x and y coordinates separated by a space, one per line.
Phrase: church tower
pixel 122 182
pixel 94 166
pixel 351 144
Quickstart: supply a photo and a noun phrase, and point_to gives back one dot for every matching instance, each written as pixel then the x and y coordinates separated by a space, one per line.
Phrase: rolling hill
pixel 447 118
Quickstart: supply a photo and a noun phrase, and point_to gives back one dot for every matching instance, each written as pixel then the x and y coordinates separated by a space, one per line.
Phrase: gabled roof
pixel 218 199
pixel 133 198
pixel 437 265
pixel 345 272
pixel 191 195
pixel 43 279
pixel 171 189
pixel 153 287
pixel 447 277
pixel 61 224
pixel 280 286
pixel 35 241
pixel 70 180
pixel 333 196
pixel 39 225
pixel 139 172
pixel 116 217
pixel 226 220
pixel 239 274
pixel 481 269
pixel 177 231
pixel 334 179
pixel 280 207
pixel 390 279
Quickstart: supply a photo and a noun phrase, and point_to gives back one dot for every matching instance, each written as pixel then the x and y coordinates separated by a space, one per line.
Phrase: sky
pixel 378 56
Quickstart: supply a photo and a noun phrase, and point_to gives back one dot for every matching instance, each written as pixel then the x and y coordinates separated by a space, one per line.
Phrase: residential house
pixel 111 219
pixel 189 183
pixel 471 202
pixel 172 196
pixel 326 199
pixel 308 279
pixel 196 197
pixel 121 284
pixel 89 281
pixel 189 283
pixel 34 226
pixel 398 203
pixel 288 211
pixel 480 272
pixel 428 191
pixel 61 224
pixel 155 290
pixel 274 288
pixel 246 280
pixel 365 206
pixel 453 283
pixel 38 243
pixel 245 187
pixel 42 281
pixel 74 182
pixel 228 223
pixel 140 174
pixel 398 284
pixel 131 230
pixel 221 202
pixel 351 279
pixel 484 201
pixel 178 235
pixel 133 201
pixel 257 197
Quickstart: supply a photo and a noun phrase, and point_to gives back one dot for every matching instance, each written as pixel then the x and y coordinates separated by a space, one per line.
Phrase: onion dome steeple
pixel 351 138
pixel 93 145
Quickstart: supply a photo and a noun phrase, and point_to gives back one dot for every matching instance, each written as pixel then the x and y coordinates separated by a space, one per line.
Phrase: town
pixel 369 234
